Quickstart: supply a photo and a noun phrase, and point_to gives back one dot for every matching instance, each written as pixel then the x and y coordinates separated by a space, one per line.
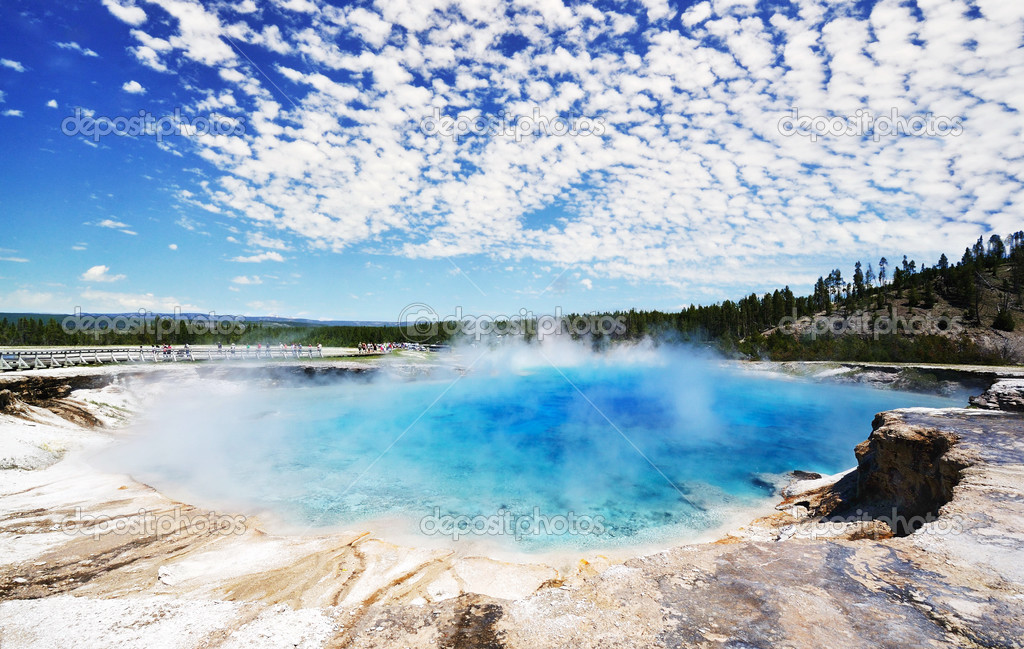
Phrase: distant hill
pixel 971 311
pixel 302 322
pixel 265 320
pixel 41 317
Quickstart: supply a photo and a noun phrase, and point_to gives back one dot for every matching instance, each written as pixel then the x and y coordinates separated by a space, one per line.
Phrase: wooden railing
pixel 27 359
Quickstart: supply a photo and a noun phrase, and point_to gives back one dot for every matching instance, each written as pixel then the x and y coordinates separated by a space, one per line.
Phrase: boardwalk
pixel 27 359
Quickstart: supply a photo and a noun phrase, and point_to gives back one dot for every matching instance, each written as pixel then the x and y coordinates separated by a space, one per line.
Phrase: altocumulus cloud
pixel 691 170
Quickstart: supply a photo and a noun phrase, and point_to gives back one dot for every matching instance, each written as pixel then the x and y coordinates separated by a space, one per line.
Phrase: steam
pixel 659 440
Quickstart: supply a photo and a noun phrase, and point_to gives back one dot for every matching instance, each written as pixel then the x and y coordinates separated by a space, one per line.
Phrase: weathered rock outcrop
pixel 906 468
pixel 1005 394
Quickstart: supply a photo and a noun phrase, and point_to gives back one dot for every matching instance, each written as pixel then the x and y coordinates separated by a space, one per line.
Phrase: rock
pixel 1005 394
pixel 820 496
pixel 166 576
pixel 804 475
pixel 7 400
pixel 906 467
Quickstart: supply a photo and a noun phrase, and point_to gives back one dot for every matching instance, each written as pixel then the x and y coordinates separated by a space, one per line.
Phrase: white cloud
pixel 247 281
pixel 259 258
pixel 369 26
pixel 17 260
pixel 100 274
pixel 148 57
pixel 112 224
pixel 657 9
pixel 189 224
pixel 14 65
pixel 11 112
pixel 690 172
pixel 75 47
pixel 126 11
pixel 587 283
pixel 199 35
pixel 266 307
pixel 301 6
pixel 173 246
pixel 697 13
pixel 101 301
pixel 261 240
pixel 133 87
pixel 33 300
pixel 52 103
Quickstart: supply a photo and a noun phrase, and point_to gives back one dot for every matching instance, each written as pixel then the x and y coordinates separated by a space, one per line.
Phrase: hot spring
pixel 586 453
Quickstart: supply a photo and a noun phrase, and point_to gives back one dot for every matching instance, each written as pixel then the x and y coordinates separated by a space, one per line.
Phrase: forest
pixel 982 291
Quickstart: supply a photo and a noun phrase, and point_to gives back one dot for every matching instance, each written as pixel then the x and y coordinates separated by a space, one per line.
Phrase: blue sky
pixel 328 193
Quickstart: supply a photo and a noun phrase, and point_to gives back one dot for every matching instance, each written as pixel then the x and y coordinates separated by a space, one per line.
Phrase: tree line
pixel 749 326
pixel 29 331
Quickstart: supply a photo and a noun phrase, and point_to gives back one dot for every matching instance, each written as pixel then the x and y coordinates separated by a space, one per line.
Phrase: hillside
pixel 974 308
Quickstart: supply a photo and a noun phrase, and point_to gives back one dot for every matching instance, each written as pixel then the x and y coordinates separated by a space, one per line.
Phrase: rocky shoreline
pixel 911 377
pixel 918 546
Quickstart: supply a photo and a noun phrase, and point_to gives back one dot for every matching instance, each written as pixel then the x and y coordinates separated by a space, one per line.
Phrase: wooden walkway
pixel 38 359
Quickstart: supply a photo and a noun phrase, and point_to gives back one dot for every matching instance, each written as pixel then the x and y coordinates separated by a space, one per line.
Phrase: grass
pixel 108 405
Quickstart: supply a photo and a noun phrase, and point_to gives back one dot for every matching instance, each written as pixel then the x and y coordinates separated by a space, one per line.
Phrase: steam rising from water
pixel 660 443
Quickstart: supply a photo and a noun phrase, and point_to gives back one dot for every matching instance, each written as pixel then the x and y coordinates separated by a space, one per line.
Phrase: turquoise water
pixel 641 452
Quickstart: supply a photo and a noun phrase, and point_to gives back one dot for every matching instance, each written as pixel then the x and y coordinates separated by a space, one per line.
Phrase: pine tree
pixel 1004 320
pixel 979 250
pixel 996 251
pixel 929 297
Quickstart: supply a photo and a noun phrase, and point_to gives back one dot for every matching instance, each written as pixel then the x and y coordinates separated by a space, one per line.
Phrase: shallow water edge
pixel 930 588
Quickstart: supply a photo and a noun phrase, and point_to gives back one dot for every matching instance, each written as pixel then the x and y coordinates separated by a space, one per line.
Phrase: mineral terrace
pixel 921 545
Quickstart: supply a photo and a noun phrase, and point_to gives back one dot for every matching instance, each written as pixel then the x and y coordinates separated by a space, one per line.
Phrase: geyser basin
pixel 591 455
